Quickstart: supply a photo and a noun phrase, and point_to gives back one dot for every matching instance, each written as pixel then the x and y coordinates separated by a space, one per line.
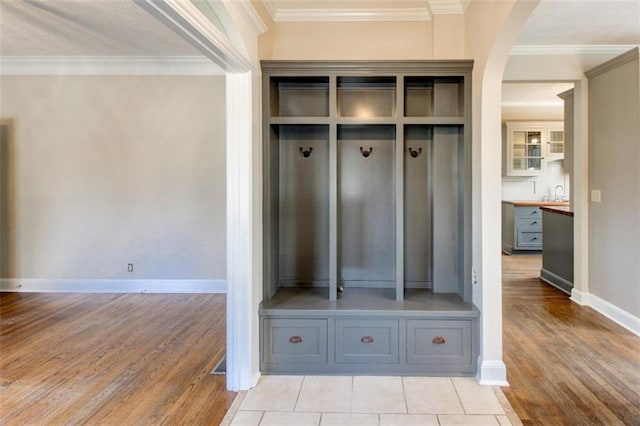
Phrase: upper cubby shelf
pixel 300 97
pixel 433 97
pixel 366 97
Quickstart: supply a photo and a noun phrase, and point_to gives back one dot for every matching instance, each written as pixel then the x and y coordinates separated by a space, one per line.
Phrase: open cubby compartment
pixel 433 96
pixel 366 207
pixel 366 97
pixel 300 96
pixel 418 192
pixel 300 205
pixel 449 206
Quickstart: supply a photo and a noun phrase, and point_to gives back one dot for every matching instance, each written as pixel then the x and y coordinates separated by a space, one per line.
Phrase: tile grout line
pixel 295 405
pixel 458 395
pixel 351 399
pixel 404 396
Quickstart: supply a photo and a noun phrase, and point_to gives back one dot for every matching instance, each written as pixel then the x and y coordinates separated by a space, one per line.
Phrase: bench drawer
pixel 294 341
pixel 366 341
pixel 442 342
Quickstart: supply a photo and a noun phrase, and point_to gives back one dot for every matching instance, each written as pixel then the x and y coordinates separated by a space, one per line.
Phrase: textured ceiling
pixel 84 28
pixel 541 94
pixel 583 22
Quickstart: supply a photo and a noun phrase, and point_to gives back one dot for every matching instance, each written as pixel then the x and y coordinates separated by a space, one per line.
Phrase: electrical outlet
pixel 596 196
pixel 129 267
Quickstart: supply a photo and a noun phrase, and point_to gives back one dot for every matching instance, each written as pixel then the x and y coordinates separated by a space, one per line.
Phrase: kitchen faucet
pixel 556 193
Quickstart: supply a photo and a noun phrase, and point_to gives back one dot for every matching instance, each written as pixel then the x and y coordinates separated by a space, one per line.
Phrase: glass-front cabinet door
pixel 555 144
pixel 530 146
pixel 526 151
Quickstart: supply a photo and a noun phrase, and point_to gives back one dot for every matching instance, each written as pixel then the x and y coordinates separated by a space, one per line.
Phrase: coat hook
pixel 415 153
pixel 365 154
pixel 306 153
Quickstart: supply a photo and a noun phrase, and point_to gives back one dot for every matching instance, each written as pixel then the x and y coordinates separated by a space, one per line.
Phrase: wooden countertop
pixel 565 210
pixel 537 203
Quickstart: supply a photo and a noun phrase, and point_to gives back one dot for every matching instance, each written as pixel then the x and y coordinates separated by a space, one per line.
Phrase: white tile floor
pixel 366 400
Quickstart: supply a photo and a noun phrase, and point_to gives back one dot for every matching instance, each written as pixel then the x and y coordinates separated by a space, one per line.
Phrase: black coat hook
pixel 415 153
pixel 306 153
pixel 365 154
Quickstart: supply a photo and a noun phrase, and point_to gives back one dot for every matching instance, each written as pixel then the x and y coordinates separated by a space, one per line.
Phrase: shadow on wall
pixel 7 266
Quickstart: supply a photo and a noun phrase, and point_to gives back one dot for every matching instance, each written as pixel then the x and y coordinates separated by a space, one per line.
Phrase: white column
pixel 580 171
pixel 244 230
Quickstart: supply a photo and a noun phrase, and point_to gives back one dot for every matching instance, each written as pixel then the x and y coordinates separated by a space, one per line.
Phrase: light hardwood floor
pixel 140 359
pixel 566 364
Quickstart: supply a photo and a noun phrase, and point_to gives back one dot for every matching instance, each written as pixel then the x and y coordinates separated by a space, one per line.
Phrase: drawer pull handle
pixel 367 339
pixel 534 222
pixel 295 339
pixel 534 238
pixel 439 340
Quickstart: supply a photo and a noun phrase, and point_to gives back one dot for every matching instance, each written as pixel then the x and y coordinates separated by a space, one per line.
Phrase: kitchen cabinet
pixel 521 227
pixel 367 213
pixel 531 145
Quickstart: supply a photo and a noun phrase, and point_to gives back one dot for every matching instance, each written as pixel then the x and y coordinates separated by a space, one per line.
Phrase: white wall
pixel 614 155
pixel 536 187
pixel 111 170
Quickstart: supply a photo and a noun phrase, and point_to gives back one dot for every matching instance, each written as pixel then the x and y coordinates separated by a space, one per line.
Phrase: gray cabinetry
pixel 295 341
pixel 521 228
pixel 441 343
pixel 367 197
pixel 366 341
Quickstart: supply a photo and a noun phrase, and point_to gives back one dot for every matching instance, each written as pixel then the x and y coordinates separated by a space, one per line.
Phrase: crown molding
pixel 425 13
pixel 249 14
pixel 628 56
pixel 351 15
pixel 448 7
pixel 571 49
pixel 186 20
pixel 108 65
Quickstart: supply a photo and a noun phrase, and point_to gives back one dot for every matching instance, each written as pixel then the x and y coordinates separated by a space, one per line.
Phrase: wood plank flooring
pixel 145 358
pixel 112 359
pixel 566 364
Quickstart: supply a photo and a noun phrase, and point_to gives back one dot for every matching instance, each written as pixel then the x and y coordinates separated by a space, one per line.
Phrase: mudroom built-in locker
pixel 367 218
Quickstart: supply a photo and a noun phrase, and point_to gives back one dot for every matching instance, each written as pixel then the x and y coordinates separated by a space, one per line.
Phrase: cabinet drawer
pixel 295 340
pixel 527 212
pixel 442 342
pixel 529 224
pixel 531 240
pixel 366 341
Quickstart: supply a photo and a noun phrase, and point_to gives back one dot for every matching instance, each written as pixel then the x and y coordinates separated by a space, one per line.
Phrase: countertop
pixel 537 203
pixel 565 210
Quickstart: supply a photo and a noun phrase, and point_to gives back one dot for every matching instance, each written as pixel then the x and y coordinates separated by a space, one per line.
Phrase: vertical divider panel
pixel 333 189
pixel 399 187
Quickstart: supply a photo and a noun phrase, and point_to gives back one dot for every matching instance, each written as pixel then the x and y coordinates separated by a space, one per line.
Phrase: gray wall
pixel 110 170
pixel 614 155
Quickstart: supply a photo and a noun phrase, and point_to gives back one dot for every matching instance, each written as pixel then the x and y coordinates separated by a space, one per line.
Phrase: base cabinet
pixel 356 345
pixel 521 228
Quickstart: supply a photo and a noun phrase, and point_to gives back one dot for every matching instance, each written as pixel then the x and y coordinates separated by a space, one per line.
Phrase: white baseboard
pixel 38 285
pixel 615 314
pixel 578 296
pixel 622 317
pixel 492 373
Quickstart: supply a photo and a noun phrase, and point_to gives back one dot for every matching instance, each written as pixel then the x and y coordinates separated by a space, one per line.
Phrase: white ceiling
pixel 538 94
pixel 583 22
pixel 122 28
pixel 85 28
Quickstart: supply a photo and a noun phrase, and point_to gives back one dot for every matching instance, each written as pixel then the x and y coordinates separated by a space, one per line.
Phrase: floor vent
pixel 221 368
